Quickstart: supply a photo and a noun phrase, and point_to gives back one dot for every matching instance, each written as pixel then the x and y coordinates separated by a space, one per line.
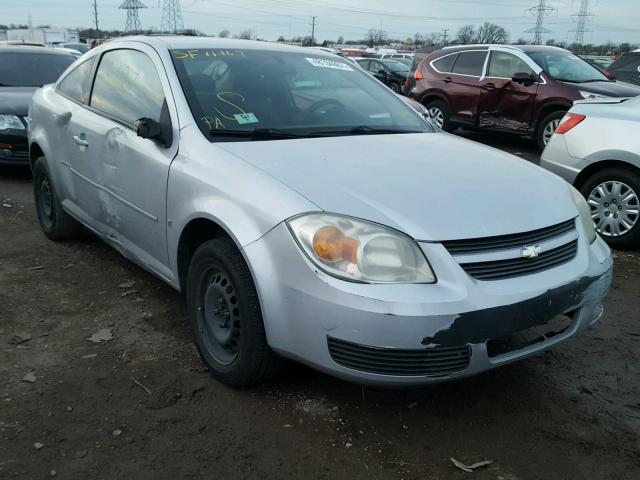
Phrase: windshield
pixel 287 95
pixel 397 66
pixel 21 69
pixel 566 67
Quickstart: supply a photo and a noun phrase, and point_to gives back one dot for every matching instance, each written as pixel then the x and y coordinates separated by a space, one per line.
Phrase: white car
pixel 596 149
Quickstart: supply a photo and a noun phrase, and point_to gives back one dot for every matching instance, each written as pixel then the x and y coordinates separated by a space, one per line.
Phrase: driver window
pixel 505 65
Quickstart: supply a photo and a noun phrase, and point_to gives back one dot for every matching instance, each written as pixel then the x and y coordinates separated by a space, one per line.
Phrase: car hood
pixel 432 186
pixel 16 100
pixel 611 89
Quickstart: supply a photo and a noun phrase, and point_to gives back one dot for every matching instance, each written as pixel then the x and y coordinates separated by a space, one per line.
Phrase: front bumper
pixel 14 148
pixel 321 321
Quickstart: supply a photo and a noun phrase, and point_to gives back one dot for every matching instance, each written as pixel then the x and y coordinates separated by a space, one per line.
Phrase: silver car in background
pixel 596 148
pixel 307 212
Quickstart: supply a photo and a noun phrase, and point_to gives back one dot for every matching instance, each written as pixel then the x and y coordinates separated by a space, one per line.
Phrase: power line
pixel 540 11
pixel 171 17
pixel 581 18
pixel 133 18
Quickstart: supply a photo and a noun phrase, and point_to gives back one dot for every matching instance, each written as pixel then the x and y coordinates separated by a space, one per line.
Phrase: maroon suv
pixel 517 89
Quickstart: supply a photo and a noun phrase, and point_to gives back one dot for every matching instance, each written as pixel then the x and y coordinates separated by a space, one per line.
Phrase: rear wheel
pixel 613 195
pixel 395 87
pixel 547 127
pixel 439 112
pixel 225 316
pixel 54 221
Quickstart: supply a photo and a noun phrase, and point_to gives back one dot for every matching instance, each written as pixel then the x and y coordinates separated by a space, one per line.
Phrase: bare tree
pixel 246 34
pixel 224 34
pixel 340 40
pixel 466 35
pixel 491 33
pixel 376 37
pixel 418 39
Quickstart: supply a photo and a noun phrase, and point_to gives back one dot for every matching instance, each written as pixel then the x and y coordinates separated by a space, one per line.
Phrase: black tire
pixel 225 316
pixel 631 239
pixel 395 87
pixel 546 121
pixel 444 109
pixel 54 221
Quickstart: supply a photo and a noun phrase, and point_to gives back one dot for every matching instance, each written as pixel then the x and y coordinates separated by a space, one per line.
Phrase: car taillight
pixel 418 74
pixel 608 73
pixel 569 121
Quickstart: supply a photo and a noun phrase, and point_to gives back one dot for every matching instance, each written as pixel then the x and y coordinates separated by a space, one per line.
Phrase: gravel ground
pixel 140 405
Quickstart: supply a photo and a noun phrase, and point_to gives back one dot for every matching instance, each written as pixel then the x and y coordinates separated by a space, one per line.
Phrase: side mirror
pixel 153 130
pixel 524 77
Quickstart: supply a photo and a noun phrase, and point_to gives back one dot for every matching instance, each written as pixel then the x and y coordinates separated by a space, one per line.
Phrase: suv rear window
pixel 470 63
pixel 445 64
pixel 626 63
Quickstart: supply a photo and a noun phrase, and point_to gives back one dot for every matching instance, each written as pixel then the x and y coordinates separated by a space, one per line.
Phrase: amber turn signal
pixel 331 245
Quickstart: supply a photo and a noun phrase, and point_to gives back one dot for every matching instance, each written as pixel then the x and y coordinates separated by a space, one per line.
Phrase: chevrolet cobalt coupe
pixel 307 212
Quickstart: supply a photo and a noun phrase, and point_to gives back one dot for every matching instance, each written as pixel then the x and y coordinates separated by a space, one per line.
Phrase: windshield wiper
pixel 256 133
pixel 362 130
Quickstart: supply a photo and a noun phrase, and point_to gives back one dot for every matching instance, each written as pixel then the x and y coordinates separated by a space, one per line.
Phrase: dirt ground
pixel 141 406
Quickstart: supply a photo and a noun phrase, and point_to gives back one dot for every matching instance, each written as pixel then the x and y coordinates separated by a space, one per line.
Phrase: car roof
pixel 31 49
pixel 519 48
pixel 188 42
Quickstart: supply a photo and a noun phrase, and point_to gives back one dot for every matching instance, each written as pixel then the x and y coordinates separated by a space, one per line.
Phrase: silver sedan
pixel 597 150
pixel 308 213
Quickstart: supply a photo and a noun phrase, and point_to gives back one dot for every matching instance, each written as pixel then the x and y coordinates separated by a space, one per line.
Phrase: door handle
pixel 447 80
pixel 490 86
pixel 80 141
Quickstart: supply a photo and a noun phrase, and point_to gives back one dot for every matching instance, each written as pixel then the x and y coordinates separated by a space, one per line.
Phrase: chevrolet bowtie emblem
pixel 531 251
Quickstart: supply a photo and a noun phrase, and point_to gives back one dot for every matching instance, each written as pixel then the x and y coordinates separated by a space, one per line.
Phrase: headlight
pixel 10 121
pixel 360 251
pixel 585 214
pixel 586 94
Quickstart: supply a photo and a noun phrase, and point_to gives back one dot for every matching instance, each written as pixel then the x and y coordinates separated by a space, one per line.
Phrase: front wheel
pixel 613 195
pixel 547 127
pixel 395 88
pixel 225 316
pixel 54 221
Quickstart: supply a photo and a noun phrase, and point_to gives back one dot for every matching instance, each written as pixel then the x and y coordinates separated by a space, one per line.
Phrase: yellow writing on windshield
pixel 191 54
pixel 231 107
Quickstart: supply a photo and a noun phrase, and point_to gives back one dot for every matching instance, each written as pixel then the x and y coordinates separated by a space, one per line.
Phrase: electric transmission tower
pixel 171 17
pixel 581 18
pixel 95 17
pixel 133 18
pixel 539 11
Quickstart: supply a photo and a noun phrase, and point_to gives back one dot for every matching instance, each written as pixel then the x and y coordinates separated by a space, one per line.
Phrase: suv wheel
pixel 395 87
pixel 54 221
pixel 613 195
pixel 225 316
pixel 546 128
pixel 439 112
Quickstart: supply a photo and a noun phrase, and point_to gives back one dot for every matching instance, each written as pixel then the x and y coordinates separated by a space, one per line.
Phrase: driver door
pixel 504 103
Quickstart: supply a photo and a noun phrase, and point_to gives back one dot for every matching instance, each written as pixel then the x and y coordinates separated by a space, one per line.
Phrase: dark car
pixel 81 47
pixel 626 68
pixel 22 71
pixel 516 89
pixel 390 72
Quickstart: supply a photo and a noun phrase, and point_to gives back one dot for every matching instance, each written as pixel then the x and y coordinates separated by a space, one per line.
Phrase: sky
pixel 612 20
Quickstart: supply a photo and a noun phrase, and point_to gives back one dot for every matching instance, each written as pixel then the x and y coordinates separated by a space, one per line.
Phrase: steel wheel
pixel 437 115
pixel 549 130
pixel 219 317
pixel 615 208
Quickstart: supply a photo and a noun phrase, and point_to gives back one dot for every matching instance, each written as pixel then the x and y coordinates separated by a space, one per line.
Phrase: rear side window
pixel 128 87
pixel 445 64
pixel 470 63
pixel 77 84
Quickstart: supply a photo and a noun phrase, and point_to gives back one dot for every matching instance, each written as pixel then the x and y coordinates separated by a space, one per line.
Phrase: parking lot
pixel 100 379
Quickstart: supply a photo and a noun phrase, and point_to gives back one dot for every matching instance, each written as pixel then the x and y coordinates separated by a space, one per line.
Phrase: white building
pixel 48 36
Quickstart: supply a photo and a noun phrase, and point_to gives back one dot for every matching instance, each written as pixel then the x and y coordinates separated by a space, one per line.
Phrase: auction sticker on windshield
pixel 323 63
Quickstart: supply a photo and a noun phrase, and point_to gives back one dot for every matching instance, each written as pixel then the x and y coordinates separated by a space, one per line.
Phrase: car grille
pixel 476 245
pixel 515 267
pixel 430 362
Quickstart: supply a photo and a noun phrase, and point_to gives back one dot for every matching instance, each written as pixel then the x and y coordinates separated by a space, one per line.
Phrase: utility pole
pixel 445 36
pixel 581 18
pixel 171 17
pixel 95 17
pixel 313 30
pixel 539 11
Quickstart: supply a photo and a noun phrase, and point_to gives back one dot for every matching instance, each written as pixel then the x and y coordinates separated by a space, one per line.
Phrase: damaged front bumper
pixel 417 334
